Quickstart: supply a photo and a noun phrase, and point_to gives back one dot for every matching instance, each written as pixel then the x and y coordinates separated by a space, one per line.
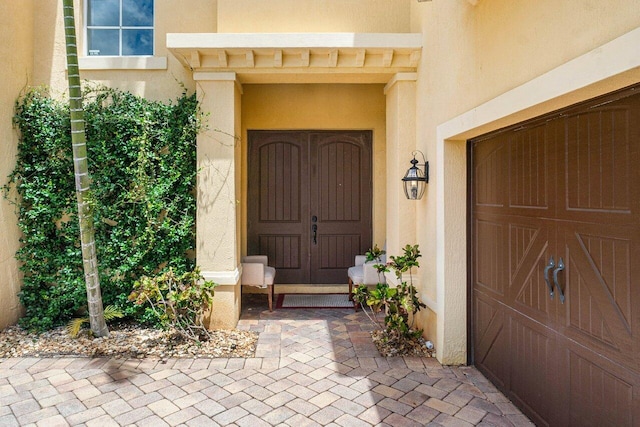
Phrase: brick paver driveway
pixel 312 368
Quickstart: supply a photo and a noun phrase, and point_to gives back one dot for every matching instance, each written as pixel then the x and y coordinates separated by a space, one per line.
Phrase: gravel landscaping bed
pixel 409 347
pixel 126 341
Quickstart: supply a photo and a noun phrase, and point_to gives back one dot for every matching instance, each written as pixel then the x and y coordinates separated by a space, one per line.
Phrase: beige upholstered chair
pixel 364 273
pixel 256 272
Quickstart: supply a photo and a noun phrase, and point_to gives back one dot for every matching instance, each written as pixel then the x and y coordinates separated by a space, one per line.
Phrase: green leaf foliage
pixel 179 302
pixel 374 254
pixel 74 325
pixel 142 159
pixel 400 303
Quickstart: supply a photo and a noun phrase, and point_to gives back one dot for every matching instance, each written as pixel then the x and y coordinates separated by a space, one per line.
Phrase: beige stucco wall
pixel 171 16
pixel 329 107
pixel 17 73
pixel 517 40
pixel 473 54
pixel 300 16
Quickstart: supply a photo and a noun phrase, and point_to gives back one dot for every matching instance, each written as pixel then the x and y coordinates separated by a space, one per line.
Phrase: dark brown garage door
pixel 556 263
pixel 309 204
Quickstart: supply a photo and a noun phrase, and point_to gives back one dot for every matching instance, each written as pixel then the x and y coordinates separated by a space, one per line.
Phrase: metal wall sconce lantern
pixel 415 180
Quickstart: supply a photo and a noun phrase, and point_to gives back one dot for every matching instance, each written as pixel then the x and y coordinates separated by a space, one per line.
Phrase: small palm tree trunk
pixel 80 166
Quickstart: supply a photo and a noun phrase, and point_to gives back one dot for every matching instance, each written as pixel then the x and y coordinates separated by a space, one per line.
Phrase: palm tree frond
pixel 73 327
pixel 110 313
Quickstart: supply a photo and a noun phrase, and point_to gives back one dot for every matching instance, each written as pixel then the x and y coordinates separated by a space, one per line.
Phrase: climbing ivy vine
pixel 142 158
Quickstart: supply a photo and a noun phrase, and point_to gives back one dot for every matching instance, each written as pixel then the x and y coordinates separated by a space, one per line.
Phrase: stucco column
pixel 451 260
pixel 401 141
pixel 218 214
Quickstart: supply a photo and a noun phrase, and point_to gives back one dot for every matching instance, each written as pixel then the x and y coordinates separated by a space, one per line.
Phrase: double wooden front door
pixel 309 202
pixel 556 263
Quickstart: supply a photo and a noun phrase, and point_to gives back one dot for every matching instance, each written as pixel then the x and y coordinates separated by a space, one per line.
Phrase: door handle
pixel 558 269
pixel 549 266
pixel 314 229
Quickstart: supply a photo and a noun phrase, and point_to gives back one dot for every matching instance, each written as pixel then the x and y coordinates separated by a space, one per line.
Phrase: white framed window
pixel 119 28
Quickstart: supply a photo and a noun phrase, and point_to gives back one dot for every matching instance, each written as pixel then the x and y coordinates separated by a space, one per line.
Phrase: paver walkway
pixel 312 368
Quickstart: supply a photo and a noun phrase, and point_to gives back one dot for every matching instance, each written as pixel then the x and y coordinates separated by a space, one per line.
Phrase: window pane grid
pixel 132 39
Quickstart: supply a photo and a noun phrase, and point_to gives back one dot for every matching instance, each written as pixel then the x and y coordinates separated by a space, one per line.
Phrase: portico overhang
pixel 299 57
pixel 223 64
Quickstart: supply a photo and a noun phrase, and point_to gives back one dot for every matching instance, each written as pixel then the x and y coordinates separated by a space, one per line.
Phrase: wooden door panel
pixel 340 177
pixel 600 163
pixel 490 255
pixel 340 203
pixel 530 254
pixel 278 202
pixel 491 334
pixel 531 170
pixel 490 176
pixel 281 165
pixel 284 251
pixel 602 296
pixel 600 239
pixel 534 369
pixel 598 392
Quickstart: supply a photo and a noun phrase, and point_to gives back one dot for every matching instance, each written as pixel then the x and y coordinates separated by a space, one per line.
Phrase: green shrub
pixel 399 304
pixel 374 254
pixel 142 159
pixel 179 302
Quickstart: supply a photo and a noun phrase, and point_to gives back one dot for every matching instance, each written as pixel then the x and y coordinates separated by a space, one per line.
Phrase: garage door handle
pixel 549 266
pixel 555 279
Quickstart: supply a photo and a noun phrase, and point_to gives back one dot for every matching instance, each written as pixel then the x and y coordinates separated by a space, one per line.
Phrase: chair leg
pixel 270 292
pixel 355 303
